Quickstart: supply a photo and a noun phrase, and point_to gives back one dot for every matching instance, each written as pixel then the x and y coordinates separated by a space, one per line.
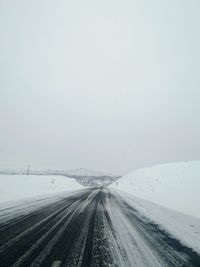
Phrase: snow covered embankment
pixel 173 185
pixel 183 227
pixel 16 187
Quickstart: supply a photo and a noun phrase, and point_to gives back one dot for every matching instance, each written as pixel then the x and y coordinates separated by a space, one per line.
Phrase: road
pixel 92 227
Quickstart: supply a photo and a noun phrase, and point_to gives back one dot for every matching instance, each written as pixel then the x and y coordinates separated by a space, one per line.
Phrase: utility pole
pixel 28 169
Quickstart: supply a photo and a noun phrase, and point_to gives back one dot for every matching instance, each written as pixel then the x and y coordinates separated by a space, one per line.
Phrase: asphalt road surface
pixel 92 227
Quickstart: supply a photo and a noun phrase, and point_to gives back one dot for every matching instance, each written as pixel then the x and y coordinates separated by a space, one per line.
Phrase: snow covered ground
pixel 184 227
pixel 16 187
pixel 169 195
pixel 173 185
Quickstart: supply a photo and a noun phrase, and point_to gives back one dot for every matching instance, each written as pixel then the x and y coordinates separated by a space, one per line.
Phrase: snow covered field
pixel 173 185
pixel 16 187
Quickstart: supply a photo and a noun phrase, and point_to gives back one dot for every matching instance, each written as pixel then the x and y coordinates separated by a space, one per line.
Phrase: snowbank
pixel 173 185
pixel 184 227
pixel 15 187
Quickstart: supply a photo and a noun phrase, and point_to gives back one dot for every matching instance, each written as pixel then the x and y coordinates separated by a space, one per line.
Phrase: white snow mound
pixel 173 185
pixel 16 187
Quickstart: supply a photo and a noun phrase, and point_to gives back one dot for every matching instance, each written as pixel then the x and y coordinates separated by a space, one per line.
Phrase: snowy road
pixel 92 227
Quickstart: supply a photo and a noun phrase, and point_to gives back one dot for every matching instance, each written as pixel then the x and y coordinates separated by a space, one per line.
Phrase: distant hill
pixel 90 178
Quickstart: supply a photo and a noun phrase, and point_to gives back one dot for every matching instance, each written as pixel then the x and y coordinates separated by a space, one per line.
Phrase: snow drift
pixel 173 185
pixel 15 187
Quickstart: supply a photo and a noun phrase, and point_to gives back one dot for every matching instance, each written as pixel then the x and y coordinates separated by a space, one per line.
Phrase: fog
pixel 105 85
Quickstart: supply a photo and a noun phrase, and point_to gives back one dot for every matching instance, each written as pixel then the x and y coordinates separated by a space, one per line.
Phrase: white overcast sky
pixel 108 85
